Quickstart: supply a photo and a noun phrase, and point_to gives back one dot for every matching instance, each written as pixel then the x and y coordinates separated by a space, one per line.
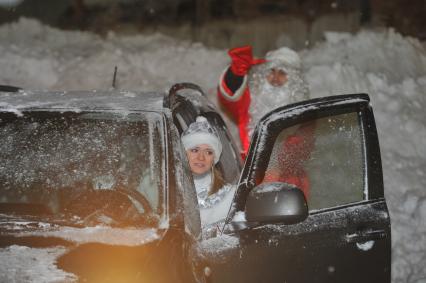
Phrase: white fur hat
pixel 284 56
pixel 200 132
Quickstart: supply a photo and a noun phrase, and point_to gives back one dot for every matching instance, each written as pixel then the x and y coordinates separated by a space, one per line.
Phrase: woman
pixel 203 149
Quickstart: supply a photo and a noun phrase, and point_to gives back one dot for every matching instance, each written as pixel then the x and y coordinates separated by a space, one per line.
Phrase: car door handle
pixel 365 235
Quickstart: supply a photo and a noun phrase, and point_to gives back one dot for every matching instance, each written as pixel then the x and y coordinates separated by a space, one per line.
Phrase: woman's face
pixel 200 158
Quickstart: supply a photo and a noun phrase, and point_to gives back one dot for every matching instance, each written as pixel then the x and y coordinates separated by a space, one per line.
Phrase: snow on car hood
pixel 24 264
pixel 96 234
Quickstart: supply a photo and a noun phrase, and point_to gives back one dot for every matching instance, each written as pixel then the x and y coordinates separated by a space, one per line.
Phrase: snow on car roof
pixel 81 100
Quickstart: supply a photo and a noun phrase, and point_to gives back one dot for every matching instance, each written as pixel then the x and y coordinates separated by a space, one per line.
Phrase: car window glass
pixel 324 158
pixel 53 159
pixel 150 182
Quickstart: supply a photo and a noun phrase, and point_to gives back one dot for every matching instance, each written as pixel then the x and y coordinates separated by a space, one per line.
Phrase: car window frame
pixel 180 199
pixel 186 102
pixel 283 117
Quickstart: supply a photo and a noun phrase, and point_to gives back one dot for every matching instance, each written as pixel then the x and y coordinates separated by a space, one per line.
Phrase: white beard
pixel 265 97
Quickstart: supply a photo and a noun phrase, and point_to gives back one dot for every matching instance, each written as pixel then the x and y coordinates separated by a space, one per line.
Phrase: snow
pixel 40 57
pixel 79 100
pixel 365 246
pixel 389 67
pixel 24 264
pixel 270 187
pixel 98 234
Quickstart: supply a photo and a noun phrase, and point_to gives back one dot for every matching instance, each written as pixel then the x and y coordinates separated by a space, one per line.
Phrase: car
pixel 100 181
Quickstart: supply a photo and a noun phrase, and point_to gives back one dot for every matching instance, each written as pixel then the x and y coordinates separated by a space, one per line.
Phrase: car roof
pixel 24 100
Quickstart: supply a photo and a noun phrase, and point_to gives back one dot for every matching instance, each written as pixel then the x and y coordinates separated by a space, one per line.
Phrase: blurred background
pixel 266 24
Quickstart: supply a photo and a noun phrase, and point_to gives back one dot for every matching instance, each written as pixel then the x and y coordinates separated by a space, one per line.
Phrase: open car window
pixel 230 160
pixel 184 100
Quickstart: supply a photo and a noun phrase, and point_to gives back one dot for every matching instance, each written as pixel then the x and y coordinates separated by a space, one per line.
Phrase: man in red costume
pixel 249 87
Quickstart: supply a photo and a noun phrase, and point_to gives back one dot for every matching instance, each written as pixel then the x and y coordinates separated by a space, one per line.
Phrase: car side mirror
pixel 276 202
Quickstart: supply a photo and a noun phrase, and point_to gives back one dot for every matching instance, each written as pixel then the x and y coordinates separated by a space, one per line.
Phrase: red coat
pixel 233 92
pixel 234 96
pixel 237 104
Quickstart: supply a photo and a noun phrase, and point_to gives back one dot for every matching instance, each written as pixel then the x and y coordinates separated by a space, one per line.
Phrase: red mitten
pixel 242 60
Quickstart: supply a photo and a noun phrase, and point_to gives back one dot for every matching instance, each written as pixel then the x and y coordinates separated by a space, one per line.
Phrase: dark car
pixel 100 180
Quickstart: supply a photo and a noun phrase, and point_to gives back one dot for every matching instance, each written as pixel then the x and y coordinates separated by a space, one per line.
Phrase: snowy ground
pixel 391 68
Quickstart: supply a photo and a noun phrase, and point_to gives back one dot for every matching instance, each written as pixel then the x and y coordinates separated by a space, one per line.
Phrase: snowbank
pixel 39 57
pixel 24 264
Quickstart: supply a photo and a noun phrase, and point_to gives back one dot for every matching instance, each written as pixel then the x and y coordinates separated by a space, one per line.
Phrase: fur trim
pixel 226 93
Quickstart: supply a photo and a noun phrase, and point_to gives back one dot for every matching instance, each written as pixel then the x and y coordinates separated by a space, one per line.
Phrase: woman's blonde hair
pixel 217 181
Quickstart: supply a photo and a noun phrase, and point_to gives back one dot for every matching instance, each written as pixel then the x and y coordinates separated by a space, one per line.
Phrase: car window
pixel 54 159
pixel 324 158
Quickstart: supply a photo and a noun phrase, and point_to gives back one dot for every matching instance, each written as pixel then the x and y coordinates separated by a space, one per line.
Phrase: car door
pixel 328 148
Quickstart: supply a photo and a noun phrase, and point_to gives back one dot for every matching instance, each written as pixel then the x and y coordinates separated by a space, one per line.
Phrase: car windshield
pixel 84 168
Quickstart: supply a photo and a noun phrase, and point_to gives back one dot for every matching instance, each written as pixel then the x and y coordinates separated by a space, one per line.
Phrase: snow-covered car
pixel 95 187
